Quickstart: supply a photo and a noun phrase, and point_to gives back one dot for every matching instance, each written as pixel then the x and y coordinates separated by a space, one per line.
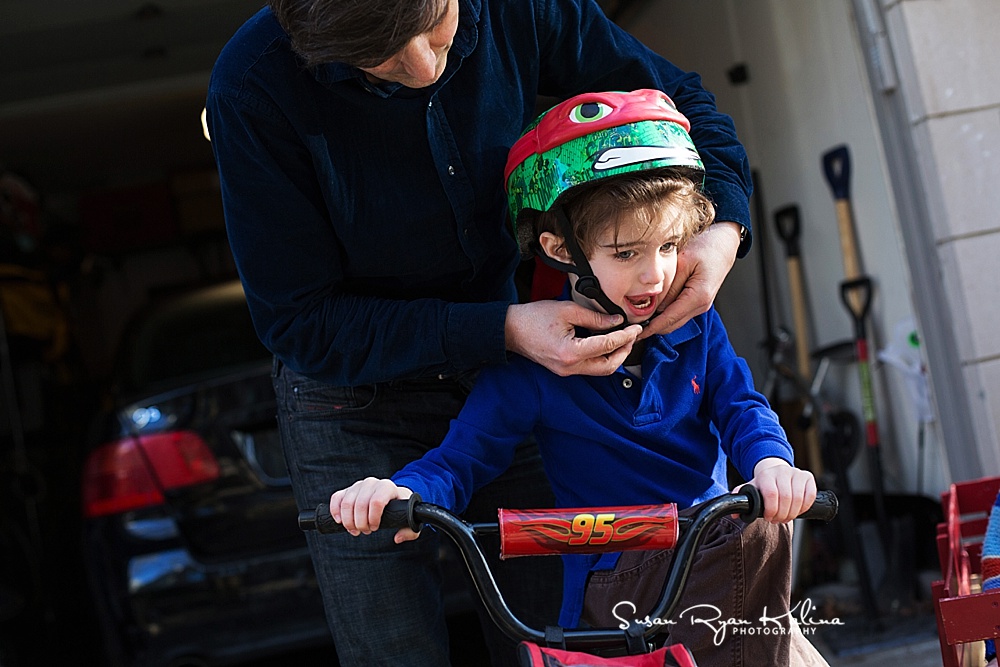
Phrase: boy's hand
pixel 358 508
pixel 787 491
pixel 702 266
pixel 545 332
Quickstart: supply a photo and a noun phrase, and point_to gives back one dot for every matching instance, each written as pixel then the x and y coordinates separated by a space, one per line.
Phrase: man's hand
pixel 544 331
pixel 358 508
pixel 702 266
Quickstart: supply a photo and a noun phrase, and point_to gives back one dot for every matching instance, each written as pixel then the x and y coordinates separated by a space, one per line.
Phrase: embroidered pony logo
pixel 694 385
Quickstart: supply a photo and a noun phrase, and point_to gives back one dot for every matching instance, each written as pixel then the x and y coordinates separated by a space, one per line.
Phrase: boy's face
pixel 636 268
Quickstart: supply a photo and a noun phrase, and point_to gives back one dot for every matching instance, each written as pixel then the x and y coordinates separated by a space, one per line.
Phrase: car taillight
pixel 134 472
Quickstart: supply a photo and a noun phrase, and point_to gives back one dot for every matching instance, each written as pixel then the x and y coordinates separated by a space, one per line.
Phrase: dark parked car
pixel 190 537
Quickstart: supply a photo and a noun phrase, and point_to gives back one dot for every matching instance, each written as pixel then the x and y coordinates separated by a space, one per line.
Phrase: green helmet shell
pixel 589 137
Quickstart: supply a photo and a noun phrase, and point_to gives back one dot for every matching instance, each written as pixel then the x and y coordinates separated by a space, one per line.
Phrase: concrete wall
pixel 807 93
pixel 950 81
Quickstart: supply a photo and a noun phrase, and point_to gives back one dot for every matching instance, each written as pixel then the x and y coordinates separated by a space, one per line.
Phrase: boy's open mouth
pixel 640 303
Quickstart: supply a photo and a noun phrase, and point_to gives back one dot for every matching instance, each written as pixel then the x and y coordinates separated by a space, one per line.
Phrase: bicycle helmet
pixel 581 140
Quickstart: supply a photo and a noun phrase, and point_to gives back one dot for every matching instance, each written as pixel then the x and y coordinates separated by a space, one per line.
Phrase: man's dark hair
pixel 363 33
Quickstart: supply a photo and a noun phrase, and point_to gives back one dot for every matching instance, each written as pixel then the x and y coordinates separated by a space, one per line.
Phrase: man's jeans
pixel 383 601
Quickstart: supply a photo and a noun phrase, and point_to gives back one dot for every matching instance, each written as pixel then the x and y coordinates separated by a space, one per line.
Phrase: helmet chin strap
pixel 587 283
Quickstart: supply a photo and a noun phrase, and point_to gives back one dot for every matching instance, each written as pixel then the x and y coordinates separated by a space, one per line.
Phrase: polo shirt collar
pixel 682 334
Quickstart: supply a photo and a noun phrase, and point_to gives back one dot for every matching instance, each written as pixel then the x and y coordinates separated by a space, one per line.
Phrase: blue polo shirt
pixel 369 223
pixel 615 440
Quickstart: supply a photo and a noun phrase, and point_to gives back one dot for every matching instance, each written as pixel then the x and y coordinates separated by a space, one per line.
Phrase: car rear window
pixel 204 336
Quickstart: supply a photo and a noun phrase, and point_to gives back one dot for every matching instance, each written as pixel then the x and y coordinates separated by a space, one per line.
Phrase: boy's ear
pixel 554 247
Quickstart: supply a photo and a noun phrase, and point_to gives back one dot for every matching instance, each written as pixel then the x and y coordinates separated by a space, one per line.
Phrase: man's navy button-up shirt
pixel 368 223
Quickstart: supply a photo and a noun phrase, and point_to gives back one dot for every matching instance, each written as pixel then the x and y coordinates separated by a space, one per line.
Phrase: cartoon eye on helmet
pixel 589 137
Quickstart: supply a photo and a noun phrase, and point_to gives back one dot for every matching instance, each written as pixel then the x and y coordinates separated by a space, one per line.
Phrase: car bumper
pixel 174 610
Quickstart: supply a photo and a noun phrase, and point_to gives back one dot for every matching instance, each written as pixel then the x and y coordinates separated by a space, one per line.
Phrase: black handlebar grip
pixel 397 514
pixel 824 508
pixel 319 520
pixel 756 509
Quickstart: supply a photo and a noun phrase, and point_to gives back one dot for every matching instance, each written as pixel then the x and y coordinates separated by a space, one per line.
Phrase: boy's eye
pixel 625 254
pixel 668 247
pixel 588 112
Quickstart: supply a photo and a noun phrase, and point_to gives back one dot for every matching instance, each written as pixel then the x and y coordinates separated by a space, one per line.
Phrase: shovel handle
pixel 860 303
pixel 789 225
pixel 837 167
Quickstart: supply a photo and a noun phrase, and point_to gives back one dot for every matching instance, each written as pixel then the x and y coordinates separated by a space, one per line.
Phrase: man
pixel 361 146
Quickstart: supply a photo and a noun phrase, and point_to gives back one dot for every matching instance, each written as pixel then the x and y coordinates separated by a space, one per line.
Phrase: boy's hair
pixel 633 197
pixel 363 33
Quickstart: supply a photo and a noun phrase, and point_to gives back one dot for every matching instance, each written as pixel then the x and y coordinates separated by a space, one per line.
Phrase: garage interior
pixel 111 200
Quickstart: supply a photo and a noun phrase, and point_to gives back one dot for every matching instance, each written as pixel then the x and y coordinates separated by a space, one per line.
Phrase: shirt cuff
pixel 414 484
pixel 475 334
pixel 765 449
pixel 732 205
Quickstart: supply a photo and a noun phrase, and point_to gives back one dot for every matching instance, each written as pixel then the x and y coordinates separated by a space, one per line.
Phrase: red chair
pixel 964 617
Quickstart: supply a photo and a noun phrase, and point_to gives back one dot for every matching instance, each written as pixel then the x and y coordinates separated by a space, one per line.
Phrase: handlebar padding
pixel 587 530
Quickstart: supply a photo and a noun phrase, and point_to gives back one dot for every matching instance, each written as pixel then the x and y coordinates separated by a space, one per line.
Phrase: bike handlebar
pixel 405 513
pixel 413 513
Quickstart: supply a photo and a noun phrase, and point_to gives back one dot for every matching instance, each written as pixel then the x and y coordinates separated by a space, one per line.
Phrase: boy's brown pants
pixel 741 573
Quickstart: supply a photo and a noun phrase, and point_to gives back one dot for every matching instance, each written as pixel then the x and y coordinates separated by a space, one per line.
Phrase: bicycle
pixel 583 530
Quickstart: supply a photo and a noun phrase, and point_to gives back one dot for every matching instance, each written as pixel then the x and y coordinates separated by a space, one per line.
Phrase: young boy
pixel 605 186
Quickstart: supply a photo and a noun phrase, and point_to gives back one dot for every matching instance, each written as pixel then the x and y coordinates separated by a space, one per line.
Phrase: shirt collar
pixel 466 38
pixel 682 334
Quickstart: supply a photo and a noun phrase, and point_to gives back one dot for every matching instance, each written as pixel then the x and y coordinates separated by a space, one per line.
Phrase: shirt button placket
pixel 458 188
